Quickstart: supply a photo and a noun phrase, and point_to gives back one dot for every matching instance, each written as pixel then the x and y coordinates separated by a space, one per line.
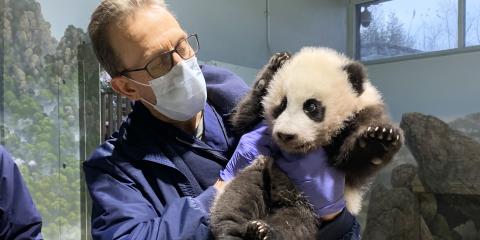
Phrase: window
pixel 404 27
pixel 39 119
pixel 472 23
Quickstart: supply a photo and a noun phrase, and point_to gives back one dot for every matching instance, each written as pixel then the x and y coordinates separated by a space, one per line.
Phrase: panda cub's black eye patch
pixel 280 108
pixel 314 109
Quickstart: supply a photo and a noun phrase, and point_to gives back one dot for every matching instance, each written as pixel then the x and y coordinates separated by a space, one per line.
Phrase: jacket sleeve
pixel 120 211
pixel 19 218
pixel 343 227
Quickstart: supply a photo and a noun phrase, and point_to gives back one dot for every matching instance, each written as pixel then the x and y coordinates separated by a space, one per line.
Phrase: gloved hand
pixel 322 184
pixel 251 145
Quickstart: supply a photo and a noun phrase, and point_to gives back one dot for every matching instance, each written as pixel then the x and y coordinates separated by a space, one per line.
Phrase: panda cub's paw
pixel 381 139
pixel 258 230
pixel 277 60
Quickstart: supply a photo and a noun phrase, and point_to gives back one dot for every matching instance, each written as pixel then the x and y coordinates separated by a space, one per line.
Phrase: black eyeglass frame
pixel 125 72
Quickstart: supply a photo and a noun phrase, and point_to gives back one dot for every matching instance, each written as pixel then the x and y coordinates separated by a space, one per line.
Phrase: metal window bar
pixel 114 109
pixel 102 115
pixel 2 60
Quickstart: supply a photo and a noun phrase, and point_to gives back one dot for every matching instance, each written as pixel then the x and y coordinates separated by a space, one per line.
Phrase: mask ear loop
pixel 142 84
pixel 137 82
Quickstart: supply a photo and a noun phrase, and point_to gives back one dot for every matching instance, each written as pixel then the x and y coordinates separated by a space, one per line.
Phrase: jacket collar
pixel 154 138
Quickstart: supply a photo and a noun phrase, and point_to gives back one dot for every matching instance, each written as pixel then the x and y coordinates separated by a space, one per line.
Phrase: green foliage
pixel 41 114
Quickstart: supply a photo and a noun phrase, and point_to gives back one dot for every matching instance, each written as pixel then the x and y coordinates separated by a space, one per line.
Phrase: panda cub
pixel 316 98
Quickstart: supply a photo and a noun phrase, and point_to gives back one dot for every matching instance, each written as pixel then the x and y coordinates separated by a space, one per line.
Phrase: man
pixel 157 176
pixel 19 218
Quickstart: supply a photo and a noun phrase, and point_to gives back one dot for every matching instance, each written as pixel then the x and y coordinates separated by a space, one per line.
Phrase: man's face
pixel 141 36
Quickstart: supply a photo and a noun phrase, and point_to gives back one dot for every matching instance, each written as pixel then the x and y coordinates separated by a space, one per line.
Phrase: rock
pixel 469 125
pixel 425 233
pixel 439 227
pixel 403 175
pixel 458 209
pixel 417 185
pixel 428 206
pixel 456 236
pixel 392 214
pixel 402 157
pixel 467 231
pixel 448 161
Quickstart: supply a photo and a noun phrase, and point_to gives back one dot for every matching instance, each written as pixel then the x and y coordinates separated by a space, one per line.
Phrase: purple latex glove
pixel 322 184
pixel 251 145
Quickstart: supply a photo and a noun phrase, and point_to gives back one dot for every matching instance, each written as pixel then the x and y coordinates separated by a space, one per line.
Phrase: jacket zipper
pixel 207 149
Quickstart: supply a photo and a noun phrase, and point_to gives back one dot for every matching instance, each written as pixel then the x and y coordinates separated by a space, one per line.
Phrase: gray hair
pixel 111 11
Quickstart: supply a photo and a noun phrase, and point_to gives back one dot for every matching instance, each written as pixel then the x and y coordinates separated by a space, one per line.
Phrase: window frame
pixel 354 40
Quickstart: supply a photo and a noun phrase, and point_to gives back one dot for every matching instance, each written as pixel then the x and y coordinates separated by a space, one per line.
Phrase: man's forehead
pixel 143 34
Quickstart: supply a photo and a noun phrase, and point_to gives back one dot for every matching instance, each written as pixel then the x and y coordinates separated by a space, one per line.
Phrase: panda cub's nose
pixel 286 137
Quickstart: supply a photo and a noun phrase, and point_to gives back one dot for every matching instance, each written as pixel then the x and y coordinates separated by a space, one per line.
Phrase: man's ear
pixel 123 87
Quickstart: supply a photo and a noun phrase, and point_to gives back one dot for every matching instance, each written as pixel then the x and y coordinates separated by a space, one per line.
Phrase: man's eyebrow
pixel 163 49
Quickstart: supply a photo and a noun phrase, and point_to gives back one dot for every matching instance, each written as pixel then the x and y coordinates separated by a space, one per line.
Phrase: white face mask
pixel 181 93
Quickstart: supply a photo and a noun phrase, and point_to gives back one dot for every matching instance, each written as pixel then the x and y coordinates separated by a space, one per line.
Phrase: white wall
pixel 233 34
pixel 235 31
pixel 443 86
pixel 246 73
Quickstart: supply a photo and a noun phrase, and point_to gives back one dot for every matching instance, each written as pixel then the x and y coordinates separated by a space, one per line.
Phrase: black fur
pixel 357 75
pixel 249 111
pixel 314 110
pixel 260 202
pixel 280 108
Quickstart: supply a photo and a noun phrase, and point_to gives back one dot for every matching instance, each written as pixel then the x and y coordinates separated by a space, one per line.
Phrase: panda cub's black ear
pixel 356 75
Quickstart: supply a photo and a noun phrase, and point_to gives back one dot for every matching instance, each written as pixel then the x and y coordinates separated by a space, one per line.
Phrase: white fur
pixel 353 199
pixel 316 73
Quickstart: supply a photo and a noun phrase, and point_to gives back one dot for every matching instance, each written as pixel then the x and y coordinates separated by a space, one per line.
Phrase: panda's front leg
pixel 368 142
pixel 370 149
pixel 249 110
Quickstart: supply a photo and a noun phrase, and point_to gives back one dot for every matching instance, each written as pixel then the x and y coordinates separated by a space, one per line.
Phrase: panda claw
pixel 278 60
pixel 258 230
pixel 388 134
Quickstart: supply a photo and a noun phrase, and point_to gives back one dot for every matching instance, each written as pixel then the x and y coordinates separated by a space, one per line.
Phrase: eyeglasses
pixel 163 62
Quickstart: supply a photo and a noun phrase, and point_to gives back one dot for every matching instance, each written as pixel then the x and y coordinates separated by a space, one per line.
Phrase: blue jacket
pixel 153 181
pixel 19 218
